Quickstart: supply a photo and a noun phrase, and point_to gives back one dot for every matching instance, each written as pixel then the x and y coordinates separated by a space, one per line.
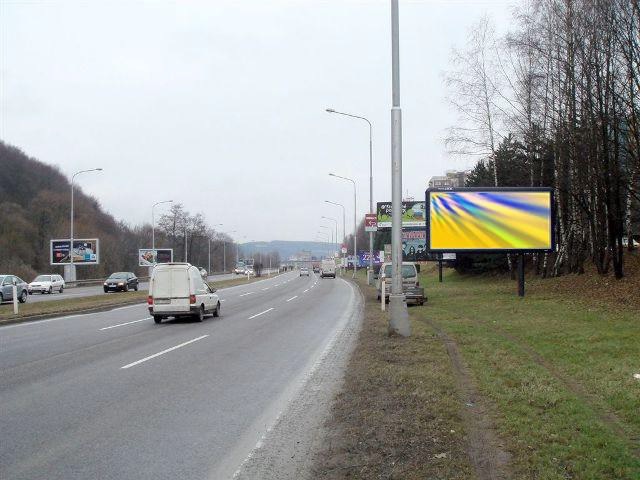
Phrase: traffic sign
pixel 370 222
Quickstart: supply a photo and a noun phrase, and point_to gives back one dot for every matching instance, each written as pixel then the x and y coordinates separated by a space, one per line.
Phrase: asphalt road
pixel 76 292
pixel 112 395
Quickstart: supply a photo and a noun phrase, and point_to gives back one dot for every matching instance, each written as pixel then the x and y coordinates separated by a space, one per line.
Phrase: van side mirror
pixel 213 289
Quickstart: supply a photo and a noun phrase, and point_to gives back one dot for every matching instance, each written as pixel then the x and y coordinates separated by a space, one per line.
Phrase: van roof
pixel 173 264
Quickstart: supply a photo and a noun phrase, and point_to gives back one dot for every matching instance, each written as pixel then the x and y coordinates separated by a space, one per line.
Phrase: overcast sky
pixel 220 105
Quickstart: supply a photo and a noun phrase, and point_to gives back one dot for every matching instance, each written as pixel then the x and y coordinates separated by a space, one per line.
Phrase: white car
pixel 178 290
pixel 304 271
pixel 249 271
pixel 47 284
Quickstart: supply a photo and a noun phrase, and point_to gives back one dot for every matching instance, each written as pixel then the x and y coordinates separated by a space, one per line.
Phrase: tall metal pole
pixel 344 231
pixel 331 110
pixel 71 276
pixel 355 221
pixel 153 224
pixel 399 317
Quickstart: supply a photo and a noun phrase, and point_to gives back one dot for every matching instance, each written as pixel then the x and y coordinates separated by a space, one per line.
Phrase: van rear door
pixel 171 289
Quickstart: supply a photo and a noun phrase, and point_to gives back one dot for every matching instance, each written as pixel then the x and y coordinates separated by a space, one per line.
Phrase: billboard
pixel 413 215
pixel 490 220
pixel 414 245
pixel 147 257
pixel 363 257
pixel 85 251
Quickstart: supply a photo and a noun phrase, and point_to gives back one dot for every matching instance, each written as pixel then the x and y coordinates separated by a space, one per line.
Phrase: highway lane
pixel 112 395
pixel 88 291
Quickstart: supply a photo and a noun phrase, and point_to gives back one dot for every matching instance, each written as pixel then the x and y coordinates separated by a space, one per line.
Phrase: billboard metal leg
pixel 440 271
pixel 521 275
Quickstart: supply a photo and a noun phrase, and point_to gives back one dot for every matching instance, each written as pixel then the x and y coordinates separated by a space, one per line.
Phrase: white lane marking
pixel 292 298
pixel 265 289
pixel 261 313
pixel 244 294
pixel 277 285
pixel 128 306
pixel 127 323
pixel 306 291
pixel 129 365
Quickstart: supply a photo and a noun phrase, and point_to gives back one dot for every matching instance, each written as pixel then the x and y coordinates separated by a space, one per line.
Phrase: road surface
pixel 77 292
pixel 112 395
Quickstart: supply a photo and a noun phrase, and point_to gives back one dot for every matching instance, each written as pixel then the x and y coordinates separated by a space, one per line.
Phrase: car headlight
pixel 120 284
pixel 105 284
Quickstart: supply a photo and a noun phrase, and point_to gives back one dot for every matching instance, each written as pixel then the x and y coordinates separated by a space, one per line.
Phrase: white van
pixel 328 268
pixel 177 290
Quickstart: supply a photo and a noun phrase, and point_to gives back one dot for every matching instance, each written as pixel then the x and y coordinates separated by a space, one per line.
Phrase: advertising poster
pixel 490 220
pixel 363 257
pixel 85 252
pixel 413 215
pixel 148 257
pixel 414 245
pixel 370 222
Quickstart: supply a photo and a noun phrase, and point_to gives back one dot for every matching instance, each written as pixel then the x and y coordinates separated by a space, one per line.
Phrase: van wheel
pixel 216 312
pixel 200 315
pixel 157 318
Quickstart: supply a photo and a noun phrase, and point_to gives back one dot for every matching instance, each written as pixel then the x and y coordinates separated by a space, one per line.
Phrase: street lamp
pixel 355 223
pixel 224 250
pixel 331 110
pixel 336 230
pixel 324 233
pixel 153 224
pixel 344 232
pixel 72 267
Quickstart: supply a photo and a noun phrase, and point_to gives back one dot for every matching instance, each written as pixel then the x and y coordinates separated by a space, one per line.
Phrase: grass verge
pixel 552 374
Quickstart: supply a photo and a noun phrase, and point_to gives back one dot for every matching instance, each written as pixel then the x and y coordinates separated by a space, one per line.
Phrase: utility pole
pixel 399 316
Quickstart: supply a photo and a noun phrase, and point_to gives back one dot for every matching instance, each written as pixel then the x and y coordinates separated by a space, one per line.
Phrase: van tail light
pixel 149 300
pixel 192 299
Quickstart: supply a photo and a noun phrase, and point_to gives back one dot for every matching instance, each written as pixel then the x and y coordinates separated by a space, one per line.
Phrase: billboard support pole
pixel 440 268
pixel 521 275
pixel 399 316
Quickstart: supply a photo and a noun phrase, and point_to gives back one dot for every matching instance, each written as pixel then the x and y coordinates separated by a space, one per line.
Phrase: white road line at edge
pixel 261 313
pixel 162 352
pixel 265 289
pixel 292 298
pixel 244 294
pixel 127 323
pixel 306 291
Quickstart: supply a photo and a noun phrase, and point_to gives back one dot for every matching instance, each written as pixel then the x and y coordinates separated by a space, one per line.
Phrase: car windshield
pixel 2 278
pixel 118 275
pixel 43 278
pixel 408 271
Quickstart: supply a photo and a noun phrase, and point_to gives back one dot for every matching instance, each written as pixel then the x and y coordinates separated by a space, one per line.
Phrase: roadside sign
pixel 85 251
pixel 371 222
pixel 344 248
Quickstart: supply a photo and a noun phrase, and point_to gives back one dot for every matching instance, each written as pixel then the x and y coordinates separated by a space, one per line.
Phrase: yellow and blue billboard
pixel 490 220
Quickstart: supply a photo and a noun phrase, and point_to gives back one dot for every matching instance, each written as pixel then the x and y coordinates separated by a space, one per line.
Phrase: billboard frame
pixel 552 229
pixel 97 240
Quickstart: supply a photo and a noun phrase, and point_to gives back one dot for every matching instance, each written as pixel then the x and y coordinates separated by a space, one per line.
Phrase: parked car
pixel 411 288
pixel 304 271
pixel 47 284
pixel 6 288
pixel 239 270
pixel 328 268
pixel 177 289
pixel 121 281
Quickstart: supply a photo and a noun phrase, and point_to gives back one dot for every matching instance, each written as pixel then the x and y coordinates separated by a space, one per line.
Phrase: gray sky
pixel 220 105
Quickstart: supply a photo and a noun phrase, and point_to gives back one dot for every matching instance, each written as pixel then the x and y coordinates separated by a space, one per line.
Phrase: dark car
pixel 6 288
pixel 121 281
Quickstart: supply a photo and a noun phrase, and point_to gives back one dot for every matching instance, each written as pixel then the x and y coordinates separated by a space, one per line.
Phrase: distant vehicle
pixel 248 270
pixel 239 270
pixel 625 242
pixel 121 281
pixel 47 284
pixel 178 290
pixel 316 268
pixel 6 288
pixel 328 268
pixel 304 271
pixel 410 284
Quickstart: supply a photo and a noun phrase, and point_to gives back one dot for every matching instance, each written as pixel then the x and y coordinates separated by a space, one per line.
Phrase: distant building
pixel 450 179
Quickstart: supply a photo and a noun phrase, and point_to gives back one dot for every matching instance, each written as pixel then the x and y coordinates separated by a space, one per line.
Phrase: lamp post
pixel 344 232
pixel 331 110
pixel 224 250
pixel 71 274
pixel 324 233
pixel 336 230
pixel 355 222
pixel 330 232
pixel 153 224
pixel 399 317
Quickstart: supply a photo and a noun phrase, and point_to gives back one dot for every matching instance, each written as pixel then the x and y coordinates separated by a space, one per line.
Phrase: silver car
pixel 6 288
pixel 47 284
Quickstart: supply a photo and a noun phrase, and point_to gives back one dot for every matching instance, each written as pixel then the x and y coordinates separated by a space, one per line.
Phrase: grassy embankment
pixel 494 386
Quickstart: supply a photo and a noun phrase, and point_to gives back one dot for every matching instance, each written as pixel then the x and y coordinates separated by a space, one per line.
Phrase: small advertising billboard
pixel 490 220
pixel 413 215
pixel 370 222
pixel 363 257
pixel 85 251
pixel 147 257
pixel 414 245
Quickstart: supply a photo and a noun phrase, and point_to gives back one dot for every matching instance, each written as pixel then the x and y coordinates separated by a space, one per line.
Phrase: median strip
pixel 126 323
pixel 261 313
pixel 162 352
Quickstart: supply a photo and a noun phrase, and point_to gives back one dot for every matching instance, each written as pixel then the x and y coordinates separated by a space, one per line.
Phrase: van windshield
pixel 408 271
